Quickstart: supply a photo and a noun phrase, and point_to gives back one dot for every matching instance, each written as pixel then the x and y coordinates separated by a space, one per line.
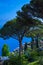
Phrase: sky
pixel 8 9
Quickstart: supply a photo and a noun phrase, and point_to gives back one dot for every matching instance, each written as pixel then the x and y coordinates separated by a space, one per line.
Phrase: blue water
pixel 12 43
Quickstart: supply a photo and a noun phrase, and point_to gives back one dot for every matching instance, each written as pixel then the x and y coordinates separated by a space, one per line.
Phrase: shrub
pixel 32 55
pixel 16 60
pixel 41 53
pixel 6 62
pixel 5 50
pixel 41 60
pixel 34 63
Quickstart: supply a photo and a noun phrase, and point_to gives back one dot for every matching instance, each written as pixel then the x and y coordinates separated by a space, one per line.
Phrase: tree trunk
pixel 37 46
pixel 20 47
pixel 32 43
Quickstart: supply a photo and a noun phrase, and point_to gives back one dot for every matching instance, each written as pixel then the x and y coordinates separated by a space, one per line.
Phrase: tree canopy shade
pixel 19 27
pixel 37 34
pixel 37 7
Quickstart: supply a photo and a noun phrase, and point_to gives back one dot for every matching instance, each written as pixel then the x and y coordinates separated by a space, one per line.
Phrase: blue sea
pixel 12 43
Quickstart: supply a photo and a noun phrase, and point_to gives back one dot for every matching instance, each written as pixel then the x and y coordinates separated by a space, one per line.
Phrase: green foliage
pixel 37 7
pixel 6 62
pixel 34 63
pixel 41 53
pixel 32 55
pixel 18 28
pixel 41 60
pixel 5 50
pixel 16 60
